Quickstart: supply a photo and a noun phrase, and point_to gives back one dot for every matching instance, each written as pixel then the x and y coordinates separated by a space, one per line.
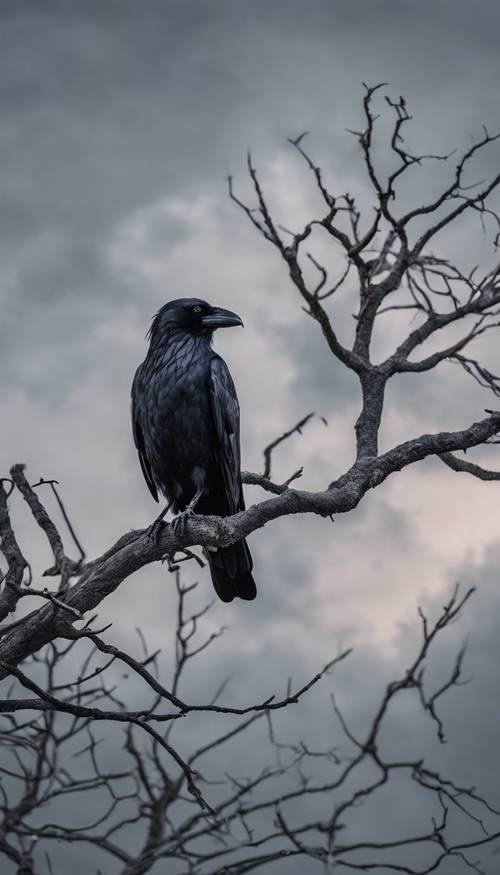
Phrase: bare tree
pixel 438 293
pixel 388 253
pixel 124 798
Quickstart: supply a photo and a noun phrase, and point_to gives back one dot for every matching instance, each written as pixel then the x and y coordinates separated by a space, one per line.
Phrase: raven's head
pixel 193 316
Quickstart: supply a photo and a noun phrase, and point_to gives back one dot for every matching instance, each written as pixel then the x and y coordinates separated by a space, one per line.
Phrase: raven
pixel 185 420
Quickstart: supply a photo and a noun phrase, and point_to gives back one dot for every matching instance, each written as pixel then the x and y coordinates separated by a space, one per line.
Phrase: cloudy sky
pixel 119 124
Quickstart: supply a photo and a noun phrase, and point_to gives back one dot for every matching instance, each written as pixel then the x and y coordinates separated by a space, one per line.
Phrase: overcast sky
pixel 119 124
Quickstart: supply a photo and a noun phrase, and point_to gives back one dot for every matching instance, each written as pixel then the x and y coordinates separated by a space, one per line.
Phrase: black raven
pixel 185 419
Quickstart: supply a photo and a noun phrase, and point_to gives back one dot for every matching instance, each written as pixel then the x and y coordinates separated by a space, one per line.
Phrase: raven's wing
pixel 226 418
pixel 139 438
pixel 230 567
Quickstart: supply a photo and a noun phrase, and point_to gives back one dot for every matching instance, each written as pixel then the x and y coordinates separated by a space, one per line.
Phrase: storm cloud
pixel 119 124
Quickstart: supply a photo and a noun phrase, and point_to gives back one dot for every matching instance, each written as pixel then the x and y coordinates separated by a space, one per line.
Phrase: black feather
pixel 186 422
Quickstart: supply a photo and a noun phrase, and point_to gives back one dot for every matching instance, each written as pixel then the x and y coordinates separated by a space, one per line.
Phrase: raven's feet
pixel 179 523
pixel 155 528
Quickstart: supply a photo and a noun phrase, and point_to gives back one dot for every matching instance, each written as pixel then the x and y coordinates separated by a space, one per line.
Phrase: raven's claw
pixel 154 530
pixel 179 523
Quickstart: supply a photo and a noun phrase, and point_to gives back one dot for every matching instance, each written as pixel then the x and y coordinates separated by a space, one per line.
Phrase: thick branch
pixel 136 549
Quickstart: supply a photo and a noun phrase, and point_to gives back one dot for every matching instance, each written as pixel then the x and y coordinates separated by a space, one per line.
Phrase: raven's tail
pixel 231 569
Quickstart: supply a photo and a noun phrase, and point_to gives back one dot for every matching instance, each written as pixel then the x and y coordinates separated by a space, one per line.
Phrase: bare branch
pixel 13 579
pixel 468 467
pixel 62 564
pixel 297 429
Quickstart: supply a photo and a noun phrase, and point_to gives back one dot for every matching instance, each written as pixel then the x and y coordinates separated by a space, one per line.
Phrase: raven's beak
pixel 219 318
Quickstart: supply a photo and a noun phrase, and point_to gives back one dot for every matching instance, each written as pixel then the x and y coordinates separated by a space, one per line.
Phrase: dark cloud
pixel 118 127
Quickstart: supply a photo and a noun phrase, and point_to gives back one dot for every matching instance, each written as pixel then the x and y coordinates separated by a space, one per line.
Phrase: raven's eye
pixel 197 309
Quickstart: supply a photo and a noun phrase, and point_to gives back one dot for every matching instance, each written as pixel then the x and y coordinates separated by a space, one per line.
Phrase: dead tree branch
pixel 437 292
pixel 51 757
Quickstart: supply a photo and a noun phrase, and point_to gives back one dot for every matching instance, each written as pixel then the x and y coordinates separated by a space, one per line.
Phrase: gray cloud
pixel 118 126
